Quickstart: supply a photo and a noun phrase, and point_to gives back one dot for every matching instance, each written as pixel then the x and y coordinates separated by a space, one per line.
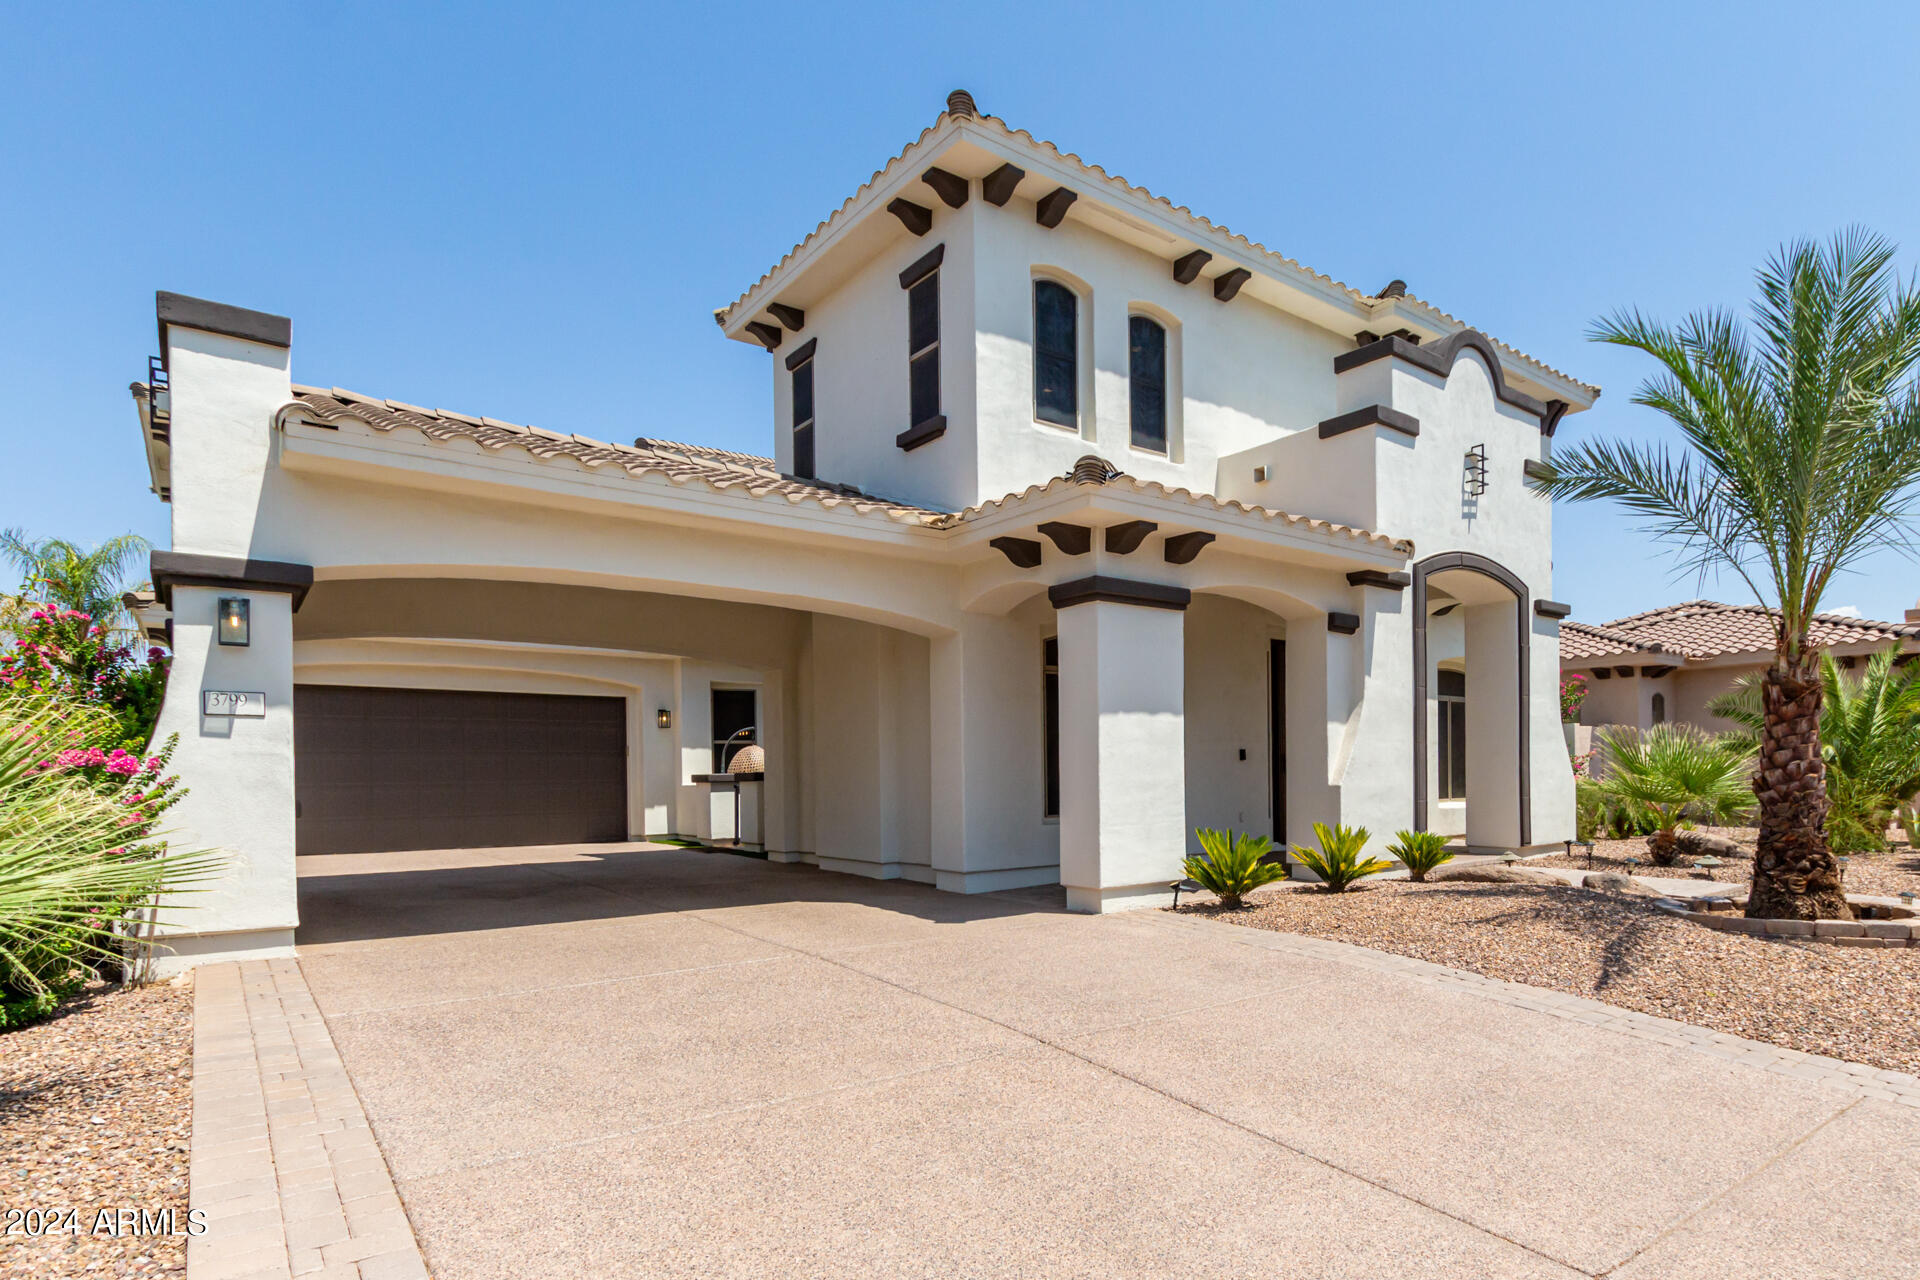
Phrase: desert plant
pixel 1234 866
pixel 58 573
pixel 1420 851
pixel 1338 861
pixel 1802 455
pixel 1573 696
pixel 1673 773
pixel 64 655
pixel 1869 741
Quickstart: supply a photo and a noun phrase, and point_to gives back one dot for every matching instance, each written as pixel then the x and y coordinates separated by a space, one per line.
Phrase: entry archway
pixel 1502 589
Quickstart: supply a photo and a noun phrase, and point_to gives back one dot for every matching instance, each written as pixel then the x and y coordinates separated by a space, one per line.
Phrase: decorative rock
pixel 1610 880
pixel 1699 844
pixel 1487 873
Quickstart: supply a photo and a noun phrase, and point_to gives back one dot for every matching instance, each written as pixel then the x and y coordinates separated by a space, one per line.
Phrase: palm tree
pixel 1673 772
pixel 60 572
pixel 1801 450
pixel 1869 740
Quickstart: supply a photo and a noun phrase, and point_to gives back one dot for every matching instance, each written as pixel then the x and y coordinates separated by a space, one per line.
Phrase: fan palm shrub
pixel 1233 865
pixel 1420 852
pixel 1800 453
pixel 1674 774
pixel 63 574
pixel 1339 861
pixel 1869 742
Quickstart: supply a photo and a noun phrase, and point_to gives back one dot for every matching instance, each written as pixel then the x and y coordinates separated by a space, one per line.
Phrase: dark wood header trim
pixel 1378 578
pixel 1550 420
pixel 1228 283
pixel 1623 671
pixel 171 569
pixel 1439 360
pixel 950 187
pixel 1099 587
pixel 1053 206
pixel 1186 267
pixel 1181 548
pixel 1552 609
pixel 770 335
pixel 1534 469
pixel 221 318
pixel 1127 536
pixel 1022 553
pixel 922 433
pixel 923 266
pixel 1601 673
pixel 725 781
pixel 916 218
pixel 1374 415
pixel 1344 624
pixel 802 354
pixel 792 317
pixel 997 187
pixel 1654 673
pixel 1074 539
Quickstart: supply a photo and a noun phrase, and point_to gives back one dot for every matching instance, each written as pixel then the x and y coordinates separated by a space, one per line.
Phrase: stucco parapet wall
pixel 748 475
pixel 1368 310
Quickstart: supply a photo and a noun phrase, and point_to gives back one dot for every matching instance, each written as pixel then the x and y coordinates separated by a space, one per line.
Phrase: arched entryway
pixel 1491 602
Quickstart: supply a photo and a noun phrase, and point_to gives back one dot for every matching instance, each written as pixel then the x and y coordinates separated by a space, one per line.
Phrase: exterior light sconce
pixel 1477 470
pixel 232 623
pixel 663 718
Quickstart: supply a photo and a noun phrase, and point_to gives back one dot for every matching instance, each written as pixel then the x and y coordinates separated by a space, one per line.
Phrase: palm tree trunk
pixel 1795 876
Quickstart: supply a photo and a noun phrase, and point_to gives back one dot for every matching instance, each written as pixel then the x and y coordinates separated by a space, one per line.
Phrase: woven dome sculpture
pixel 748 759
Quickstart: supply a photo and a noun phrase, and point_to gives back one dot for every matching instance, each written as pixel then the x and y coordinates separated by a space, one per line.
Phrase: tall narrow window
pixel 733 724
pixel 1659 708
pixel 1050 684
pixel 803 419
pixel 1452 693
pixel 1147 382
pixel 923 348
pixel 1056 363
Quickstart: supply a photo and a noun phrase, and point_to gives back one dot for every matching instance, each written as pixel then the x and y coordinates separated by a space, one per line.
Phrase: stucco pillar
pixel 239 771
pixel 1123 804
pixel 1493 725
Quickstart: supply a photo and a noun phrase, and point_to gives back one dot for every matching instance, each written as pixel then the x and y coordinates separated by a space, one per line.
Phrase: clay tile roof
pixel 1701 629
pixel 720 469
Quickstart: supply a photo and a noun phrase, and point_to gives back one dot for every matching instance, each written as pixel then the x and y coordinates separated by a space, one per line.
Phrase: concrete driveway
pixel 641 1061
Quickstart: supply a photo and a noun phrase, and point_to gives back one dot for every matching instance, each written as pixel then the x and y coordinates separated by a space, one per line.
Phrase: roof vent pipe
pixel 1394 289
pixel 1092 469
pixel 960 103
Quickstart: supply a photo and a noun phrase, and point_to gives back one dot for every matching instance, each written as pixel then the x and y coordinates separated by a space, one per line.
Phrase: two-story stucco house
pixel 1087 522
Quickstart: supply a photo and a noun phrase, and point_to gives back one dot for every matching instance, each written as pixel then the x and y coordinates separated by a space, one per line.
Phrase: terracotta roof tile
pixel 1699 629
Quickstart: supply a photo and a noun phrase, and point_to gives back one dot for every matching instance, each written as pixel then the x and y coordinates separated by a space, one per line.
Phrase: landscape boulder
pixel 1698 844
pixel 1492 873
pixel 1611 881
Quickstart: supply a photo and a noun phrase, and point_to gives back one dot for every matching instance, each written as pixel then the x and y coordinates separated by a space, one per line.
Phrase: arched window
pixel 1659 708
pixel 1147 382
pixel 1056 354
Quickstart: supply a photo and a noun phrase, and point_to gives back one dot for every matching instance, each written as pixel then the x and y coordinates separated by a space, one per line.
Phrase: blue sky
pixel 532 212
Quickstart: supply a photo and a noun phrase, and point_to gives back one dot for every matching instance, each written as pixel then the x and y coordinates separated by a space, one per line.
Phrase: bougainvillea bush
pixel 1573 696
pixel 64 656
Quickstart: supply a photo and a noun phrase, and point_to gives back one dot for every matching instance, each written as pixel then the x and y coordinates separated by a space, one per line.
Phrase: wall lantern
pixel 233 624
pixel 663 718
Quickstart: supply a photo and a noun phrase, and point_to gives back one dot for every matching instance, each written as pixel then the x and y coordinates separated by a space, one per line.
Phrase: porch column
pixel 1496 734
pixel 1123 799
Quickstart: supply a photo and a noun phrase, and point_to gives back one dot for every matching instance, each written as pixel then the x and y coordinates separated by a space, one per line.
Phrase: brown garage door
pixel 380 769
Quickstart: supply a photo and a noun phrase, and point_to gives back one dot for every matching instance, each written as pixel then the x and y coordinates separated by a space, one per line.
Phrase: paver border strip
pixel 283 1163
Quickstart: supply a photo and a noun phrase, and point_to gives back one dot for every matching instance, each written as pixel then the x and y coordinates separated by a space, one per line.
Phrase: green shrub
pixel 1420 851
pixel 1675 774
pixel 1338 860
pixel 1234 866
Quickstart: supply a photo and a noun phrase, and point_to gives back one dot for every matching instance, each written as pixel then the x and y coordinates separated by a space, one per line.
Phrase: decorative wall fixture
pixel 1181 548
pixel 916 218
pixel 236 627
pixel 950 187
pixel 663 718
pixel 1228 283
pixel 1476 464
pixel 997 187
pixel 1127 536
pixel 1022 553
pixel 1186 268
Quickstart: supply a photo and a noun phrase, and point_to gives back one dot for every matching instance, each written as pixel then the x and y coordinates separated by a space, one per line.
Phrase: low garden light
pixel 1587 845
pixel 1509 858
pixel 1906 897
pixel 1708 863
pixel 234 626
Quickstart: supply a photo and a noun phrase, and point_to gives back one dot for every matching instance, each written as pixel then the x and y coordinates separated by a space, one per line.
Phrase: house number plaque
pixel 226 702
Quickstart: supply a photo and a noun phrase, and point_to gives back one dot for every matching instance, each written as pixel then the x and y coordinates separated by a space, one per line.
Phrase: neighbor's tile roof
pixel 1707 629
pixel 1278 263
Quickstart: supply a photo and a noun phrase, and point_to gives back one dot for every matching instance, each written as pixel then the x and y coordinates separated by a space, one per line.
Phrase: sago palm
pixel 1234 866
pixel 1800 450
pixel 1869 741
pixel 60 572
pixel 1673 772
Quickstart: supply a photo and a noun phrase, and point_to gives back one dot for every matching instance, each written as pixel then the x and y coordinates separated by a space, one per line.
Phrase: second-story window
pixel 1056 372
pixel 1147 382
pixel 803 418
pixel 923 348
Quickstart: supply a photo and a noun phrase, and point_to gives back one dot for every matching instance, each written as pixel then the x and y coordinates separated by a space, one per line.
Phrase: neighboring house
pixel 1667 665
pixel 1088 522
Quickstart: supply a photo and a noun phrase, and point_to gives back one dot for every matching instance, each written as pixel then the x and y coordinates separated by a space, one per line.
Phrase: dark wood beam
pixel 1122 539
pixel 769 334
pixel 1623 671
pixel 1186 268
pixel 1344 624
pixel 1655 672
pixel 1053 206
pixel 1378 578
pixel 1074 539
pixel 1181 548
pixel 1601 673
pixel 1228 284
pixel 792 317
pixel 997 187
pixel 950 187
pixel 916 218
pixel 1024 553
pixel 1552 609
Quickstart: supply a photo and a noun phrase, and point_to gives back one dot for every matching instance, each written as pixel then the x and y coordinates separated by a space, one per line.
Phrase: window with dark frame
pixel 1147 382
pixel 1050 682
pixel 803 419
pixel 1056 354
pixel 1451 689
pixel 923 348
pixel 1659 708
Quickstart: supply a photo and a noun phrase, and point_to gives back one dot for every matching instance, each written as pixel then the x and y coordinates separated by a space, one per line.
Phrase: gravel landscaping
pixel 1883 874
pixel 1859 1004
pixel 96 1113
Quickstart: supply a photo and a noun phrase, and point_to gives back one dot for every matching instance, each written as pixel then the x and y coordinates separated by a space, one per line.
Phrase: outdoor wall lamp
pixel 233 626
pixel 663 718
